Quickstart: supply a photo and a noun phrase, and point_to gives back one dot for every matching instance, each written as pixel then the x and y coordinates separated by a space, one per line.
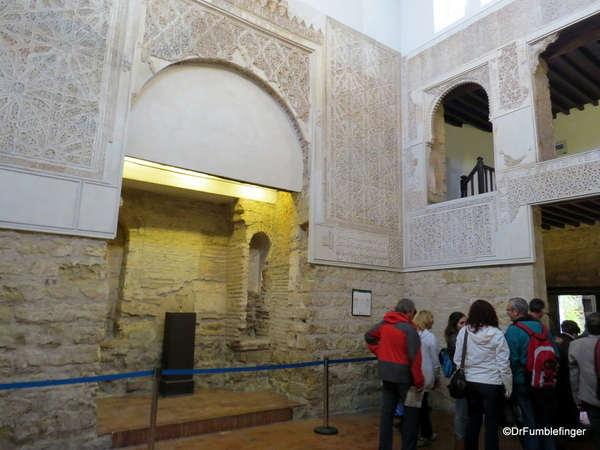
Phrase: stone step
pixel 127 418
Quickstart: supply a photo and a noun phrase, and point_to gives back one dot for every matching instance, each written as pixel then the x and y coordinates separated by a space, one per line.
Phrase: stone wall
pixel 174 254
pixel 445 291
pixel 572 256
pixel 53 302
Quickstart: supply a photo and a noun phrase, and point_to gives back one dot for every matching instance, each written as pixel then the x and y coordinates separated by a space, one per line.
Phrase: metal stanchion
pixel 153 410
pixel 326 429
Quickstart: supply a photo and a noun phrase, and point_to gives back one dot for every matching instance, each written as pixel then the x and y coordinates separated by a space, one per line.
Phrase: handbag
pixel 458 381
pixel 512 415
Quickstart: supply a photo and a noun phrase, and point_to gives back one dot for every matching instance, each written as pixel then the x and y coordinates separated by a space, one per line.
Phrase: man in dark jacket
pixel 537 405
pixel 567 413
pixel 397 345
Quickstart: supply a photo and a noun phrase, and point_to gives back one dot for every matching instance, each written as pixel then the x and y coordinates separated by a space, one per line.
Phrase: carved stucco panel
pixel 479 75
pixel 177 29
pixel 414 195
pixel 281 13
pixel 53 58
pixel 512 91
pixel 363 139
pixel 450 236
pixel 551 180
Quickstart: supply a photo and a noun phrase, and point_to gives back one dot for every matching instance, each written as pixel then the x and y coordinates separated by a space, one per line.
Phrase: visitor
pixel 456 321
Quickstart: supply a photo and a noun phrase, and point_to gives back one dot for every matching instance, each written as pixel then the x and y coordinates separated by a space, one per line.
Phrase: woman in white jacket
pixel 430 365
pixel 487 370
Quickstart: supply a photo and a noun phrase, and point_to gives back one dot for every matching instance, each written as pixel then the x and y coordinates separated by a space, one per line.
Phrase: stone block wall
pixel 173 254
pixel 445 291
pixel 572 256
pixel 53 302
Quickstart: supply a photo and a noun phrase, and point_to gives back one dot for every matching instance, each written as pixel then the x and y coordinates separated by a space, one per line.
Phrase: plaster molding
pixel 479 75
pixel 176 30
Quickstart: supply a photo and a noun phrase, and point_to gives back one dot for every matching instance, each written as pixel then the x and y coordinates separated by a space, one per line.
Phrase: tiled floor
pixel 356 432
pixel 127 418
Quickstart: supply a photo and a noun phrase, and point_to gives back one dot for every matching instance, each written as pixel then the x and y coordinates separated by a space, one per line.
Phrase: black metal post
pixel 480 175
pixel 153 409
pixel 326 429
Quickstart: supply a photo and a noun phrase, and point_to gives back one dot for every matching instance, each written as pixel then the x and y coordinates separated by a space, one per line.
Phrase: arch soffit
pixel 479 77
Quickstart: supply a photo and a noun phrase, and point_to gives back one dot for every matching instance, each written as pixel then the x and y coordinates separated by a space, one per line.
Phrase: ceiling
pixel 573 73
pixel 573 212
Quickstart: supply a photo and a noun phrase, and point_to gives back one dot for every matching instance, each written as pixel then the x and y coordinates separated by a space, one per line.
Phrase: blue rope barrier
pixel 340 361
pixel 119 376
pixel 240 369
pixel 147 373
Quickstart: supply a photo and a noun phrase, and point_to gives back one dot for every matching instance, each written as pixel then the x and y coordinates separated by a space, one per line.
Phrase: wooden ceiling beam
pixel 466 117
pixel 568 212
pixel 462 90
pixel 584 82
pixel 551 223
pixel 560 102
pixel 573 37
pixel 569 85
pixel 559 218
pixel 468 103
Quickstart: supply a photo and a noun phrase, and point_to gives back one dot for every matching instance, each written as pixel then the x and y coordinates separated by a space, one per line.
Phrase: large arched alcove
pixel 213 119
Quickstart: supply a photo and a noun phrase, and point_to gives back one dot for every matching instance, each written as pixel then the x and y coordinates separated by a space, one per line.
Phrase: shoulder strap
pixel 529 331
pixel 464 353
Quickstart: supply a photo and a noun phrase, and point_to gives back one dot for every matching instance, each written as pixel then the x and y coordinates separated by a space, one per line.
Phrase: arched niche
pixel 461 140
pixel 213 119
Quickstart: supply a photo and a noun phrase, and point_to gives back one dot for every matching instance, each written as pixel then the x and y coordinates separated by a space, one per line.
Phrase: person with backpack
pixel 456 321
pixel 487 372
pixel 584 365
pixel 533 377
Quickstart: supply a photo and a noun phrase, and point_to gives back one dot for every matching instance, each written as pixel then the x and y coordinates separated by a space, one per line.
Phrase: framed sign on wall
pixel 361 302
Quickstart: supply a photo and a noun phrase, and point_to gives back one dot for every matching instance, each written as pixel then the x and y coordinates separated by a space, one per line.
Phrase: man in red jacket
pixel 396 344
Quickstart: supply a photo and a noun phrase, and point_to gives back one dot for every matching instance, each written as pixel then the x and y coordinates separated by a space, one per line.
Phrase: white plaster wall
pixel 213 120
pixel 378 19
pixel 463 146
pixel 416 34
pixel 580 129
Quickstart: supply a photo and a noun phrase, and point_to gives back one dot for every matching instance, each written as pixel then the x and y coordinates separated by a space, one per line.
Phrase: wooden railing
pixel 486 180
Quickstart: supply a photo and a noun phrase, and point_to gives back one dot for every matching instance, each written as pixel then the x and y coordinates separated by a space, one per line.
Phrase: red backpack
pixel 542 363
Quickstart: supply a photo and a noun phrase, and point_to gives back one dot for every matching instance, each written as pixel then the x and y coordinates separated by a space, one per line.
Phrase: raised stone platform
pixel 127 418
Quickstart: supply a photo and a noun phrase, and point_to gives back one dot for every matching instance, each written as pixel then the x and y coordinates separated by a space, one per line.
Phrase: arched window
pixel 461 156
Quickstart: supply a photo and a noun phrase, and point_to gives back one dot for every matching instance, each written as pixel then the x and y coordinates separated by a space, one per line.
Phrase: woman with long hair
pixel 430 365
pixel 456 321
pixel 487 371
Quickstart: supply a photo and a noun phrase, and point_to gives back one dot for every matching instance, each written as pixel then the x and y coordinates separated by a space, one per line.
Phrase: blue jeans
pixel 391 394
pixel 461 417
pixel 483 400
pixel 537 407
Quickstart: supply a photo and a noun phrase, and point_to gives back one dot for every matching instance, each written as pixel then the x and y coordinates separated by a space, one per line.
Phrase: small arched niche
pixel 216 120
pixel 462 148
pixel 257 313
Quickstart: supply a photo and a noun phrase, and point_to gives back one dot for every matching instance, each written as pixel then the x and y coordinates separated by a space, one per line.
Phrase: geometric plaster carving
pixel 176 30
pixel 509 80
pixel 557 179
pixel 479 75
pixel 363 133
pixel 53 57
pixel 451 236
pixel 279 12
